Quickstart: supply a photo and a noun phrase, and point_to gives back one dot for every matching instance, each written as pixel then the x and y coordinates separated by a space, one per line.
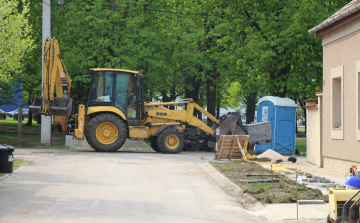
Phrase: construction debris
pixel 231 124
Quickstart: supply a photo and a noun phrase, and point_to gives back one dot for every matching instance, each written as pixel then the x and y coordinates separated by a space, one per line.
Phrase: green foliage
pixel 233 96
pixel 219 53
pixel 16 116
pixel 14 42
pixel 3 115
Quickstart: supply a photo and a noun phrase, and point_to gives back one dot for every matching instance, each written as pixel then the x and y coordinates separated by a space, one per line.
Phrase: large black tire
pixel 328 220
pixel 171 141
pixel 346 220
pixel 116 125
pixel 154 145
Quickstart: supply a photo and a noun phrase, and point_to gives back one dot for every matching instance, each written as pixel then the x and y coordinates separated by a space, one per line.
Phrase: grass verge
pixel 301 146
pixel 30 135
pixel 284 190
pixel 17 163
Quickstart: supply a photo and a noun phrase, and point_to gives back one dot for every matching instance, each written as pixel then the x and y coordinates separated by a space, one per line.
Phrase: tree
pixel 14 42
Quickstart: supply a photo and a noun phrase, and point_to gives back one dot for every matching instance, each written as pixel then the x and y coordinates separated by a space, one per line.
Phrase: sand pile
pixel 271 154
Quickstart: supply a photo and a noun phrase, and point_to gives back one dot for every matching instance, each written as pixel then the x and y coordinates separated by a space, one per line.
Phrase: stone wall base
pixel 338 167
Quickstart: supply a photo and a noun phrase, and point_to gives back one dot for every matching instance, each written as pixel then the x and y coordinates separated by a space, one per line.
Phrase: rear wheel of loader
pixel 170 140
pixel 154 145
pixel 106 133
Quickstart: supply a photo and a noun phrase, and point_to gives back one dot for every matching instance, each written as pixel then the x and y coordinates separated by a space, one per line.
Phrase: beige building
pixel 334 122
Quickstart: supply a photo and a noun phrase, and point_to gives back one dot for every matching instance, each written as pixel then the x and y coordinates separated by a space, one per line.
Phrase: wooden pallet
pixel 232 147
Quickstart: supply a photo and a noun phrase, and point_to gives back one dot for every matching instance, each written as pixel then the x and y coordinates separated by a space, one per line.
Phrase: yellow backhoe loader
pixel 116 108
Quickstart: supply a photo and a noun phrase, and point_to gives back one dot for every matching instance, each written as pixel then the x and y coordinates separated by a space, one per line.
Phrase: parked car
pixel 25 111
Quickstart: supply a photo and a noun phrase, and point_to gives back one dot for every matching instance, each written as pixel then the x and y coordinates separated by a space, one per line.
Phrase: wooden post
pixel 19 136
pixel 241 150
pixel 222 145
pixel 272 182
pixel 297 204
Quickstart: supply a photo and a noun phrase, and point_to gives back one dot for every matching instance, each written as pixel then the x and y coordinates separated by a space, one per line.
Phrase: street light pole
pixel 46 32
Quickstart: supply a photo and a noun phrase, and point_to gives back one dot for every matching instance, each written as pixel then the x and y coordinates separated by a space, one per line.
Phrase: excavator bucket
pixel 57 107
pixel 36 106
pixel 61 107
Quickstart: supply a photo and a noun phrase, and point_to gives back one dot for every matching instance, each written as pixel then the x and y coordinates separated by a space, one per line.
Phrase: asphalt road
pixel 85 186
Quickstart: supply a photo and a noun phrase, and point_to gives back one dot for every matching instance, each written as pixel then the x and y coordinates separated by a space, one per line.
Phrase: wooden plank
pixel 220 150
pixel 242 152
pixel 232 148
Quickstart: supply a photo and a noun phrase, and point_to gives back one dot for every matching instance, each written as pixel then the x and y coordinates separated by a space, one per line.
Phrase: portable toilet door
pixel 281 112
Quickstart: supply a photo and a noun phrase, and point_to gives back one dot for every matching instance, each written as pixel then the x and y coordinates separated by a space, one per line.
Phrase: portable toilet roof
pixel 277 101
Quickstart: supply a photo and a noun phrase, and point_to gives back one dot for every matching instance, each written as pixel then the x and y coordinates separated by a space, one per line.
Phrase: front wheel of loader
pixel 106 133
pixel 170 140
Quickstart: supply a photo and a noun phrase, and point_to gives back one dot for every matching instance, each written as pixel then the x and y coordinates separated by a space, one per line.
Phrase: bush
pixel 15 117
pixel 3 115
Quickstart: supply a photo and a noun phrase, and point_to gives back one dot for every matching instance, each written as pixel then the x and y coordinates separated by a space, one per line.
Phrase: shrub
pixel 15 117
pixel 3 115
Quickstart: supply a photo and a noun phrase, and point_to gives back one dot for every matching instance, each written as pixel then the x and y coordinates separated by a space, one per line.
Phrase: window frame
pixel 337 73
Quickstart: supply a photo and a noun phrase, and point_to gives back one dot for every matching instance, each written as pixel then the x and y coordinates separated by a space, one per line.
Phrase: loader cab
pixel 117 88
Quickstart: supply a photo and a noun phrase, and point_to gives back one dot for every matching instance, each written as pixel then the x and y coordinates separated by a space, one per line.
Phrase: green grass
pixel 9 122
pixel 301 146
pixel 31 135
pixel 52 147
pixel 11 136
pixel 17 163
pixel 301 129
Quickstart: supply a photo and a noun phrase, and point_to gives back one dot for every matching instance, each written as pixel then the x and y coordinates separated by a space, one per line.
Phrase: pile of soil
pixel 284 190
pixel 271 154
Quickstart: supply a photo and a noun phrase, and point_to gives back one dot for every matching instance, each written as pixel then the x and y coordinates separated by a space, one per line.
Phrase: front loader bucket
pixel 61 107
pixel 228 123
pixel 36 105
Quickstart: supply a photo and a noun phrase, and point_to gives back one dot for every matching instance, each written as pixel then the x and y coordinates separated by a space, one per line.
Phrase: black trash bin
pixel 6 159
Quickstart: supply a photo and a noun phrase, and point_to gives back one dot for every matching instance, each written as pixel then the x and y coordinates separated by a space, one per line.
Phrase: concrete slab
pixel 86 186
pixel 288 211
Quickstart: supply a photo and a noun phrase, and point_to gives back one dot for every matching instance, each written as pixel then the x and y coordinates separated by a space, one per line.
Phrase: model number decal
pixel 161 114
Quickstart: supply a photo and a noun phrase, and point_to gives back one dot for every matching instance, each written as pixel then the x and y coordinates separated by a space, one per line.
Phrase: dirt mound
pixel 271 154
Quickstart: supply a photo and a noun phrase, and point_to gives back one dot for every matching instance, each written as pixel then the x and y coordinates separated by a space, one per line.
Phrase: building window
pixel 337 103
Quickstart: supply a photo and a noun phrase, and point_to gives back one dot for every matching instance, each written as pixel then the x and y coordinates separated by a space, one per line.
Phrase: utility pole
pixel 46 32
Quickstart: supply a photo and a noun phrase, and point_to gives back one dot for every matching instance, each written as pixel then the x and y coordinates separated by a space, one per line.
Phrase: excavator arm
pixel 56 81
pixel 185 117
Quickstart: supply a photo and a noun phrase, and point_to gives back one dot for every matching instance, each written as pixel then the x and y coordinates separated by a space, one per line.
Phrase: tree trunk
pixel 29 122
pixel 193 93
pixel 250 107
pixel 302 104
pixel 210 96
pixel 218 108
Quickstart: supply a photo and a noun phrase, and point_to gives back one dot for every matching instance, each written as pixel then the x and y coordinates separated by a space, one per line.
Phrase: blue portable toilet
pixel 281 112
